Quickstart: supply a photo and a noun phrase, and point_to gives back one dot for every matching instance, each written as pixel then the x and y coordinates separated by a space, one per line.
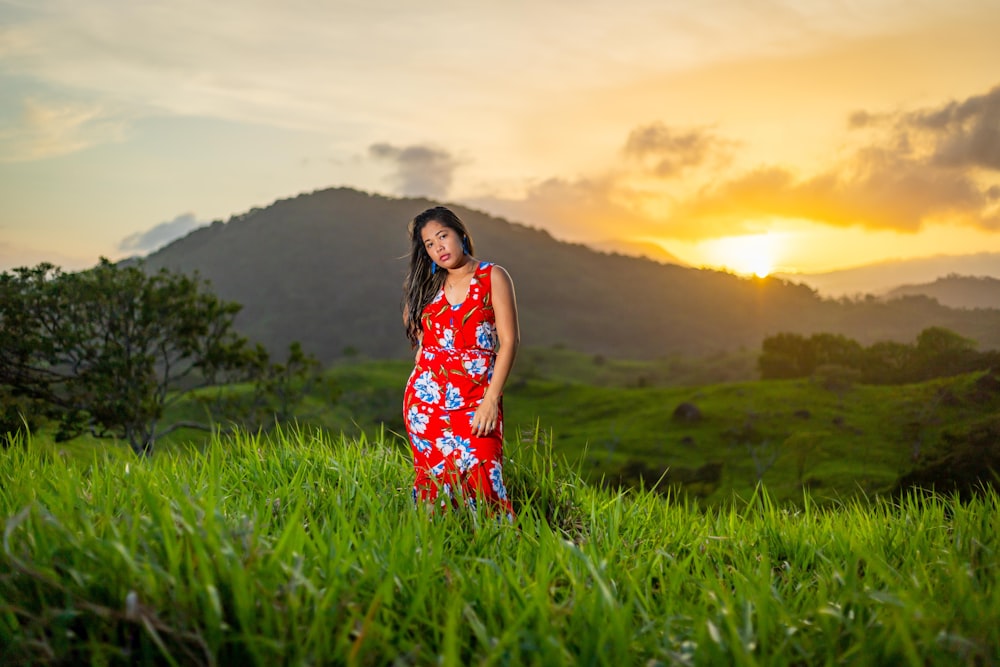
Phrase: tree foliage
pixel 108 349
pixel 937 352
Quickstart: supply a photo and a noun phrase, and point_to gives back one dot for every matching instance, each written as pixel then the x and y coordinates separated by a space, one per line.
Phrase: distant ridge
pixel 326 268
pixel 956 291
pixel 646 250
pixel 878 279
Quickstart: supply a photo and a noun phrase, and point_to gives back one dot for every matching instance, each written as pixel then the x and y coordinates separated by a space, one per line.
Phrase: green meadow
pixel 619 424
pixel 299 548
pixel 615 420
pixel 761 528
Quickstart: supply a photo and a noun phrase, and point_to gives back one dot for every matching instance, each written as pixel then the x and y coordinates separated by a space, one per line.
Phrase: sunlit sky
pixel 755 136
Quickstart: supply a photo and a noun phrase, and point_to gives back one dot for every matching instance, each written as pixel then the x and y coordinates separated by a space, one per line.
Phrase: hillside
pixel 956 291
pixel 880 278
pixel 713 442
pixel 642 249
pixel 840 439
pixel 325 269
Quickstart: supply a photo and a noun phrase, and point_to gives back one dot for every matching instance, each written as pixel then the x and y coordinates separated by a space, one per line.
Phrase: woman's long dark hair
pixel 420 285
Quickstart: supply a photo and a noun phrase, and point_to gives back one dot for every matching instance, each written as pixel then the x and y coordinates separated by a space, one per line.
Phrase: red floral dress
pixel 447 385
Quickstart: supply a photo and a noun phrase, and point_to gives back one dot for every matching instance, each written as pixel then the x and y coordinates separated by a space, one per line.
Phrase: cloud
pixel 967 134
pixel 46 129
pixel 298 66
pixel 916 168
pixel 160 235
pixel 959 134
pixel 862 119
pixel 886 192
pixel 586 208
pixel 420 170
pixel 620 200
pixel 672 151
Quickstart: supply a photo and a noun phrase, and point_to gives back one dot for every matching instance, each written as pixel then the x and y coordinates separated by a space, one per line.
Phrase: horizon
pixel 788 138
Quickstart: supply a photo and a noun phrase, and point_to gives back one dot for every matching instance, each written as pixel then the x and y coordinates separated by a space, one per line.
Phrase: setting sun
pixel 752 254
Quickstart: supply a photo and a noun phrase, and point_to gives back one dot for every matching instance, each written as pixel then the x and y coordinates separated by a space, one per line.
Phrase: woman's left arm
pixel 509 336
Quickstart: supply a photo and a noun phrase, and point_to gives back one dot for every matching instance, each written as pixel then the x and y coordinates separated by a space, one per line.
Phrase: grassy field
pixel 301 549
pixel 839 439
pixel 615 420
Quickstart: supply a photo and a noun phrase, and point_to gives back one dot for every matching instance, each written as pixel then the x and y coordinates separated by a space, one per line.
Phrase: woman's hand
pixel 486 416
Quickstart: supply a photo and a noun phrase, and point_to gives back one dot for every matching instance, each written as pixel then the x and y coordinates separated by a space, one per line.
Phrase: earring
pixel 465 249
pixel 434 268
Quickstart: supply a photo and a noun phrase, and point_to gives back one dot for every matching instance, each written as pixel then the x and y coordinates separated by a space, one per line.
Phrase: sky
pixel 792 135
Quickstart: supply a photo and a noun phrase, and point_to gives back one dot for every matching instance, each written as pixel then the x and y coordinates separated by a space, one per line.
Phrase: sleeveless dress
pixel 446 386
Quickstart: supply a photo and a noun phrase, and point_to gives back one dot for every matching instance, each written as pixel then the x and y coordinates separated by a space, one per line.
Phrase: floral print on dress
pixel 486 335
pixel 447 340
pixel 466 458
pixel 475 366
pixel 452 398
pixel 448 382
pixel 416 420
pixel 445 444
pixel 420 444
pixel 426 389
pixel 496 480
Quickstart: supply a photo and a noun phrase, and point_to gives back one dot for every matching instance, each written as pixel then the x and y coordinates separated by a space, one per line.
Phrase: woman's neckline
pixel 468 288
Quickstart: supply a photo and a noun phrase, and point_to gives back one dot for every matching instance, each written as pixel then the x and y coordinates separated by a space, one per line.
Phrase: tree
pixel 789 355
pixel 785 355
pixel 835 349
pixel 18 416
pixel 887 362
pixel 110 348
pixel 276 394
pixel 942 352
pixel 938 352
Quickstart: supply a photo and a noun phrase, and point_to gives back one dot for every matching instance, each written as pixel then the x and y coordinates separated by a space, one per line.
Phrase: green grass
pixel 301 549
pixel 858 441
pixel 840 442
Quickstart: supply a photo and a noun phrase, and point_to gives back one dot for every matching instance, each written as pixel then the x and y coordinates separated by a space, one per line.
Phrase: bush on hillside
pixel 968 464
pixel 687 412
pixel 937 352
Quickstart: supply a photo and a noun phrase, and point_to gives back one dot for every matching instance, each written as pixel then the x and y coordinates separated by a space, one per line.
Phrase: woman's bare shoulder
pixel 497 272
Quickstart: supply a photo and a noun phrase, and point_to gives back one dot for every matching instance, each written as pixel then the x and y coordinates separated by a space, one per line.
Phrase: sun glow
pixel 751 254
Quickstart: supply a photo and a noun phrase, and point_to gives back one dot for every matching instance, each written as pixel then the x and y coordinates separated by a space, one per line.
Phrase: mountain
pixel 880 278
pixel 956 291
pixel 647 250
pixel 326 269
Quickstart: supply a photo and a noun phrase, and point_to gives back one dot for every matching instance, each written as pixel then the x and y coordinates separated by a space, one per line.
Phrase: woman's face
pixel 443 244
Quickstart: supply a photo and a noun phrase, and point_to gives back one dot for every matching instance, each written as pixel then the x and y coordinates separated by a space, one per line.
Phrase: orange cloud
pixel 919 167
pixel 885 191
pixel 626 200
pixel 912 169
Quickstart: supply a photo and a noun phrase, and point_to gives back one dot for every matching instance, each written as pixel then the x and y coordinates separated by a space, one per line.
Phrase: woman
pixel 461 316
